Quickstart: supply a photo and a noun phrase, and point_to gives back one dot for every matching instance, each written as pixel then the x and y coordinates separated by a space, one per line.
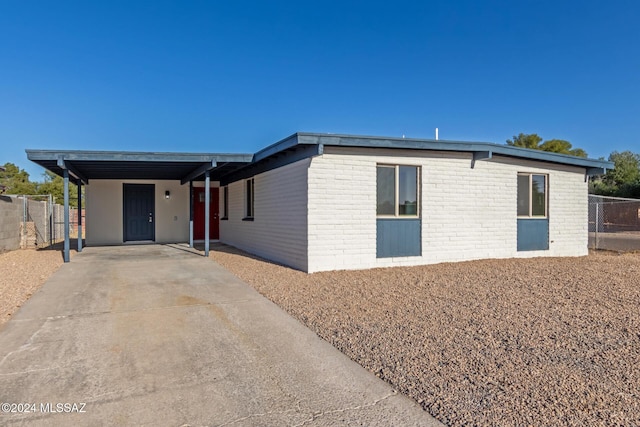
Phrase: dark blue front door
pixel 139 212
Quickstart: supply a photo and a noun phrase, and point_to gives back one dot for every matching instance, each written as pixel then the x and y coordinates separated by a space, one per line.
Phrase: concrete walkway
pixel 155 335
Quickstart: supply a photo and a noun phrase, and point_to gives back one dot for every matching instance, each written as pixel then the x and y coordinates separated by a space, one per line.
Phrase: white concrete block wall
pixel 342 212
pixel 466 213
pixel 104 204
pixel 568 214
pixel 279 229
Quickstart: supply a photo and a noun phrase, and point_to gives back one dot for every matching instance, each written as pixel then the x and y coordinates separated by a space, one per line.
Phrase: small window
pixel 250 198
pixel 225 202
pixel 397 191
pixel 532 195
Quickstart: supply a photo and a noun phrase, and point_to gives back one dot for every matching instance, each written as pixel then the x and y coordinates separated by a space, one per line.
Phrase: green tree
pixel 626 170
pixel 621 181
pixel 562 147
pixel 16 180
pixel 533 141
pixel 54 185
pixel 525 141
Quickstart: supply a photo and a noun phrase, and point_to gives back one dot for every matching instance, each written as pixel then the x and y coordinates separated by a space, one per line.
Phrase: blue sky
pixel 235 76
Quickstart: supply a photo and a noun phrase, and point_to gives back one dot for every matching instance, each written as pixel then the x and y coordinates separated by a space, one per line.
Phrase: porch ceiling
pixel 87 165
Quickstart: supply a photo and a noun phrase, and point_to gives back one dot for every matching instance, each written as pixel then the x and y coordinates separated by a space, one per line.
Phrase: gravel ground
pixel 546 341
pixel 22 272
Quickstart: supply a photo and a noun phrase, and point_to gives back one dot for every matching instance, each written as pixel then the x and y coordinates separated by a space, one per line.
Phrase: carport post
pixel 79 216
pixel 66 214
pixel 207 197
pixel 190 214
pixel 51 220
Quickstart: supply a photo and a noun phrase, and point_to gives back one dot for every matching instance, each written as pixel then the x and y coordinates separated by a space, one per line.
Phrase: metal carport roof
pixel 81 166
pixel 86 165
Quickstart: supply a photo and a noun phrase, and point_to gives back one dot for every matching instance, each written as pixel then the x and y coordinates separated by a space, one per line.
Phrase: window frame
pixel 225 203
pixel 530 189
pixel 396 214
pixel 249 200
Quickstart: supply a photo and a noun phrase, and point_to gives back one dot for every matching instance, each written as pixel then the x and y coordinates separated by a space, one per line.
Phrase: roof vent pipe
pixel 436 134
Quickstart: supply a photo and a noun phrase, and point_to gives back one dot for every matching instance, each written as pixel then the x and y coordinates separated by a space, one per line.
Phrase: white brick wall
pixel 467 213
pixel 279 229
pixel 342 212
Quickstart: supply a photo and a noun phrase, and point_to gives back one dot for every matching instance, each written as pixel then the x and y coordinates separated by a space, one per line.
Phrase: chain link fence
pixel 614 223
pixel 31 222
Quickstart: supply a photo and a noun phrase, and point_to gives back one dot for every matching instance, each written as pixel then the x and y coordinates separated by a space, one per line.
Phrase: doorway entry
pixel 139 212
pixel 198 214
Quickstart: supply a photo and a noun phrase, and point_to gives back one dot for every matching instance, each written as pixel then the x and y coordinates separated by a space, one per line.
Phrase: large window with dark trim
pixel 532 195
pixel 249 193
pixel 397 189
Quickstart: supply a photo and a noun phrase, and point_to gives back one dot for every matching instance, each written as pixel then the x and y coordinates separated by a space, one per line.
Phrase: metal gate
pixel 614 223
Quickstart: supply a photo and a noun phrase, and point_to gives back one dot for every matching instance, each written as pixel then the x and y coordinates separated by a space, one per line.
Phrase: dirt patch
pixel 545 341
pixel 22 273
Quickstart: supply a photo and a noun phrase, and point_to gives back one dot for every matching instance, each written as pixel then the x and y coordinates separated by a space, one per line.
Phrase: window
pixel 249 193
pixel 397 191
pixel 225 202
pixel 532 195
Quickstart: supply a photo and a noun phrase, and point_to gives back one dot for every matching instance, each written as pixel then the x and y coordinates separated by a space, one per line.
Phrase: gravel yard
pixel 546 341
pixel 22 272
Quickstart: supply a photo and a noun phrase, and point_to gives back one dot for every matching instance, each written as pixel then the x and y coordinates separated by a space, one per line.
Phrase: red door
pixel 198 214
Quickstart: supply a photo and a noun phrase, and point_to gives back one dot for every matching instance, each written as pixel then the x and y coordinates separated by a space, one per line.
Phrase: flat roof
pixel 328 139
pixel 86 165
pixel 227 167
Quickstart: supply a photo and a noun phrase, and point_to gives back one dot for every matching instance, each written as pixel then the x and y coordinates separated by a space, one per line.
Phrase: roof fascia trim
pixel 282 145
pixel 445 145
pixel 107 156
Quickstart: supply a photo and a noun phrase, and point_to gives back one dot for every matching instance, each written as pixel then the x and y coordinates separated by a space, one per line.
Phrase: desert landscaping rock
pixel 544 341
pixel 22 273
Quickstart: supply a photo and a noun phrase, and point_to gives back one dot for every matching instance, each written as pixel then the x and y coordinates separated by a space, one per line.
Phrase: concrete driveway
pixel 156 335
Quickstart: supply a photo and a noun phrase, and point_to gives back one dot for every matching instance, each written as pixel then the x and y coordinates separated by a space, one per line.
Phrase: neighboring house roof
pixel 85 165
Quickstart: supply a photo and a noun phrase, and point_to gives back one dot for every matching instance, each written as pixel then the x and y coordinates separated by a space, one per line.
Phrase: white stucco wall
pixel 466 213
pixel 104 203
pixel 279 229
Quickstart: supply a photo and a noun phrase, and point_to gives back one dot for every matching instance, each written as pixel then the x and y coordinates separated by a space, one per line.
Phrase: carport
pixel 79 167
